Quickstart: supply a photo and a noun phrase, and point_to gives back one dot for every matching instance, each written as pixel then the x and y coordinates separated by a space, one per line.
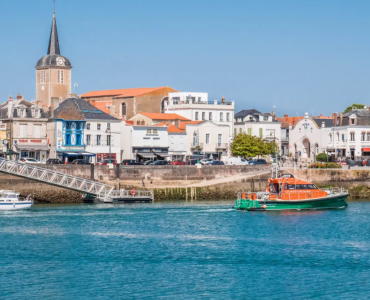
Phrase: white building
pixel 141 142
pixel 195 106
pixel 259 124
pixel 350 135
pixel 210 138
pixel 77 129
pixel 307 137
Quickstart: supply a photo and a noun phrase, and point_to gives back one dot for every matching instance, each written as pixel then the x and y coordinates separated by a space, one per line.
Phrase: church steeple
pixel 54 41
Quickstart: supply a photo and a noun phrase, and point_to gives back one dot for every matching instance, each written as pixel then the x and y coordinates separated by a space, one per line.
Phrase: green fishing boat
pixel 289 193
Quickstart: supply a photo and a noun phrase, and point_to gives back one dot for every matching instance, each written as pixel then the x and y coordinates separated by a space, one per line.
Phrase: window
pixel 261 132
pixel 176 100
pixel 98 126
pixel 219 139
pixel 240 130
pixel 148 131
pixel 368 136
pixel 88 126
pixel 352 136
pixel 155 131
pixel 43 77
pixel 228 117
pixel 108 140
pixel 265 118
pixel 249 131
pixel 37 131
pixel 362 136
pixel 210 116
pixel 98 139
pixel 60 76
pixel 251 119
pixel 22 130
pixel 68 139
pixel 78 139
pixel 337 136
pixel 343 137
pixel 199 98
pixel 123 109
pixel 352 121
pixel 221 117
pixel 196 116
pixel 330 137
pixel 108 126
pixel 203 116
pixel 37 114
pixel 88 139
pixel 207 138
pixel 235 132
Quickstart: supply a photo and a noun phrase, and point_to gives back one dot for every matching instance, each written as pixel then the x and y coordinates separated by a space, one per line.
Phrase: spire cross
pixel 54 4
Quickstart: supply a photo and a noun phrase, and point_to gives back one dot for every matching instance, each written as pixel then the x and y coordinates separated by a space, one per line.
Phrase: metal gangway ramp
pixel 78 184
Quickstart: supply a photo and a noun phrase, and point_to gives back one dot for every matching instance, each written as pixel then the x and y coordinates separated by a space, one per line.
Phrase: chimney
pixel 285 116
pixel 335 117
pixel 177 123
pixel 322 124
pixel 51 109
pixel 340 119
pixel 19 97
pixel 320 116
pixel 223 100
pixel 10 107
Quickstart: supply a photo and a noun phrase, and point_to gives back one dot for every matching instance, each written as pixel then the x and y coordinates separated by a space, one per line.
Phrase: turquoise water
pixel 184 251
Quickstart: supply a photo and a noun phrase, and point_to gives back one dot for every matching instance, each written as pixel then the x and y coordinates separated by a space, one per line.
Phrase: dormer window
pixel 251 119
pixel 352 121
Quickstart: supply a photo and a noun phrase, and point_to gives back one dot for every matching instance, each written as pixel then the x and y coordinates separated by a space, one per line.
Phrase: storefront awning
pixel 366 149
pixel 70 153
pixel 32 147
pixel 147 155
pixel 163 154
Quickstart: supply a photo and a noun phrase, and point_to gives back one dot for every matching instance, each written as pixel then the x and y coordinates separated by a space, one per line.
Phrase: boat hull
pixel 15 205
pixel 330 202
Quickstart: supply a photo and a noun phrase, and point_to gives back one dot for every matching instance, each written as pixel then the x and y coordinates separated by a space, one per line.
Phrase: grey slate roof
pixel 327 122
pixel 79 109
pixel 362 115
pixel 53 50
pixel 246 112
pixel 4 113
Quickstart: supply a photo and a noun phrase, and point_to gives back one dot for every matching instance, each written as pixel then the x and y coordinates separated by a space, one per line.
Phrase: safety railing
pixel 63 180
pixel 131 194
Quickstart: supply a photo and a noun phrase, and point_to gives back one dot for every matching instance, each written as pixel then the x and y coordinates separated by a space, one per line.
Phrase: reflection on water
pixel 184 251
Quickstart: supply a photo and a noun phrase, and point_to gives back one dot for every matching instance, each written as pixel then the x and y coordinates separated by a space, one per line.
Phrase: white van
pixel 236 161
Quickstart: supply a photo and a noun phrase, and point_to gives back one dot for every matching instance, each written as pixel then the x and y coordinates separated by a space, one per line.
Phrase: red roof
pixel 161 116
pixel 171 128
pixel 183 124
pixel 122 92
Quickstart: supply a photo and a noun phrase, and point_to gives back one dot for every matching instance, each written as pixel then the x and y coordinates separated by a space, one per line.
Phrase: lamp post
pixel 110 142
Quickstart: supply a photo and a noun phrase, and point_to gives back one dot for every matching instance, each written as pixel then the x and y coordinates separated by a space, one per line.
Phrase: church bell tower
pixel 53 73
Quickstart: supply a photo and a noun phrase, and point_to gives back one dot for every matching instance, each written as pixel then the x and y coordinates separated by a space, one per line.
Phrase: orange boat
pixel 287 192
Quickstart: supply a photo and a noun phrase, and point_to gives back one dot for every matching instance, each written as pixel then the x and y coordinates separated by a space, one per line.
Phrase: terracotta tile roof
pixel 183 124
pixel 287 121
pixel 161 116
pixel 171 128
pixel 122 92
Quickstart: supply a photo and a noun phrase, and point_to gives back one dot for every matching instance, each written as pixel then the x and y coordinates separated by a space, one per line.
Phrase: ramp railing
pixel 63 180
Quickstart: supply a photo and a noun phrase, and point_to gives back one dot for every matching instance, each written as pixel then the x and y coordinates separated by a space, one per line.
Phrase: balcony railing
pixel 222 145
pixel 285 139
pixel 196 145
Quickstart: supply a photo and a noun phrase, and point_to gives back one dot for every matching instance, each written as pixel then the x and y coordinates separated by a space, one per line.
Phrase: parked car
pixel 79 162
pixel 159 163
pixel 258 162
pixel 130 162
pixel 216 163
pixel 28 160
pixel 238 161
pixel 178 162
pixel 192 162
pixel 148 162
pixel 106 161
pixel 54 161
pixel 206 161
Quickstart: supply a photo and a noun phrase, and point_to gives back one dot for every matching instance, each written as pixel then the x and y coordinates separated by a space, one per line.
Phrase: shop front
pixel 145 153
pixel 69 156
pixel 102 156
pixel 33 148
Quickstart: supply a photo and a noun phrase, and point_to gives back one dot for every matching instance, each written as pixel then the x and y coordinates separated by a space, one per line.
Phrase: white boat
pixel 10 200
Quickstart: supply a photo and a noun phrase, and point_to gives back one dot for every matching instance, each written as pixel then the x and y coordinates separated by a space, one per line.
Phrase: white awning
pixel 32 147
pixel 147 155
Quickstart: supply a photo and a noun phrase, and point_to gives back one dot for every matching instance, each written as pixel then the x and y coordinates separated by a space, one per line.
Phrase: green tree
pixel 354 106
pixel 322 157
pixel 245 145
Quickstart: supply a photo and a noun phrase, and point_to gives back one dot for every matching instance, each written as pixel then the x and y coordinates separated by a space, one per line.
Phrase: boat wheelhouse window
pixel 12 196
pixel 300 187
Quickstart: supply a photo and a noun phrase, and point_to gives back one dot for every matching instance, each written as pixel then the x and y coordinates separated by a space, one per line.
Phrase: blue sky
pixel 297 55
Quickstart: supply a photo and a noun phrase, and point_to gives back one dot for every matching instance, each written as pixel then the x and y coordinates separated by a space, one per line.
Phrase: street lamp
pixel 108 131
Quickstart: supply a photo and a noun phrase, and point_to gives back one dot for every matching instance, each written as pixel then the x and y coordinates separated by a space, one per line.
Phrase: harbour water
pixel 184 251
